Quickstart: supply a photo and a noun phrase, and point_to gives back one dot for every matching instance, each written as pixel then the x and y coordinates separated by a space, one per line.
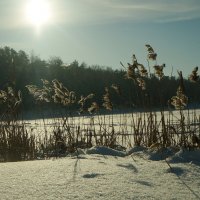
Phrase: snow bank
pixel 186 156
pixel 172 155
pixel 98 178
pixel 151 154
pixel 105 151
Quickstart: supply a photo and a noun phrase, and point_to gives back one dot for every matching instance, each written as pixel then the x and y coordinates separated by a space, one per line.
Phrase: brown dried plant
pixel 15 142
pixel 93 108
pixel 194 77
pixel 10 98
pixel 159 70
pixel 131 73
pixel 151 54
pixel 141 83
pixel 142 70
pixel 62 95
pixel 180 101
pixel 52 92
pixel 83 101
pixel 117 89
pixel 136 71
pixel 106 100
pixel 41 94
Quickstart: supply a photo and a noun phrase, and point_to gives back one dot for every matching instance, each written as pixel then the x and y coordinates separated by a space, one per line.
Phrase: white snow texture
pixel 103 173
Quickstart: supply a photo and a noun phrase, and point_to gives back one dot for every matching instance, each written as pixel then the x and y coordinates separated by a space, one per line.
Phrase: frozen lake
pixel 123 125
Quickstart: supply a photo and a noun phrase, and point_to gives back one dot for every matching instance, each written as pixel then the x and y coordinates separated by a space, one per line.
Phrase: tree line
pixel 18 69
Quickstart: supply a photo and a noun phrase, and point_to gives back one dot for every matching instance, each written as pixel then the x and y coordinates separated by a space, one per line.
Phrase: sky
pixel 105 32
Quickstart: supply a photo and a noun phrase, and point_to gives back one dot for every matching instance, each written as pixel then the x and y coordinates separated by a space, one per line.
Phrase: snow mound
pixel 160 154
pixel 136 149
pixel 105 151
pixel 151 154
pixel 184 156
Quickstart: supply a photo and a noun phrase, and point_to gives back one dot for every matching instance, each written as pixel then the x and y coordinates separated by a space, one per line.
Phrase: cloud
pixel 81 12
pixel 106 11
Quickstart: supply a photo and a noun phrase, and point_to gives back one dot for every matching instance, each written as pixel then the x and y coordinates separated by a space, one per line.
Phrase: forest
pixel 18 70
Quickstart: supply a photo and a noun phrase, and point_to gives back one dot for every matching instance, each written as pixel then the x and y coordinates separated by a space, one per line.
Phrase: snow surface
pixel 102 173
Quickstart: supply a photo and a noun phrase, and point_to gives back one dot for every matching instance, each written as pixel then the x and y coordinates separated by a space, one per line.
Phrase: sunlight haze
pixel 105 32
pixel 38 12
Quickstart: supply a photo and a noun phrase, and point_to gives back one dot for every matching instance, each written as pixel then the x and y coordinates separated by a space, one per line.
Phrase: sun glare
pixel 38 12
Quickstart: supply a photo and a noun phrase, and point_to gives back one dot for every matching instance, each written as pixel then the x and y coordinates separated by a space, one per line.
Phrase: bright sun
pixel 38 12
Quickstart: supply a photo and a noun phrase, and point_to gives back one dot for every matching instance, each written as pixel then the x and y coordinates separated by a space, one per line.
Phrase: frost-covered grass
pixel 101 176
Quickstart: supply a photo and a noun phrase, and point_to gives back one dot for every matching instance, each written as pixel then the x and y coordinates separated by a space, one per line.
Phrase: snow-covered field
pixel 102 173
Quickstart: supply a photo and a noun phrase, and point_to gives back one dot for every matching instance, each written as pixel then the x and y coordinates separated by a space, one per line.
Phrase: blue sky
pixel 108 31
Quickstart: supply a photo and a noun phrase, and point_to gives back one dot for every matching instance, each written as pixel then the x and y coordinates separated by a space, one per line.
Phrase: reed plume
pixel 159 70
pixel 117 89
pixel 94 108
pixel 194 77
pixel 106 100
pixel 180 101
pixel 151 54
pixel 83 102
pixel 136 71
